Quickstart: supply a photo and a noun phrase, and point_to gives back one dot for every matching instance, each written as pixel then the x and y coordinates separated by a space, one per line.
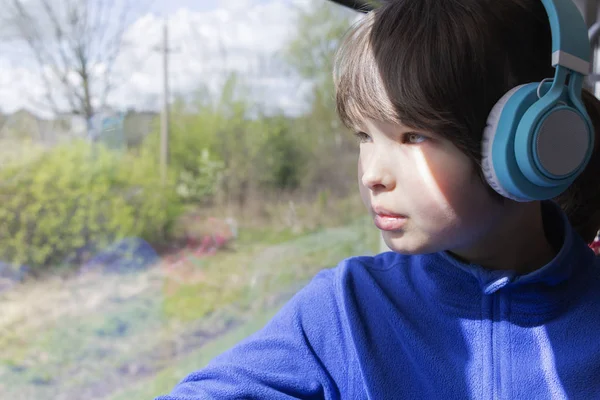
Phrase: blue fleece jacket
pixel 425 327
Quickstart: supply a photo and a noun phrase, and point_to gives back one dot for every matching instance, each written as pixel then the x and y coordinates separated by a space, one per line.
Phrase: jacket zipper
pixel 495 356
pixel 491 372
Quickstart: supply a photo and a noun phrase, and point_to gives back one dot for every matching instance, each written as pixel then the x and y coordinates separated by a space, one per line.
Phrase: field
pixel 134 336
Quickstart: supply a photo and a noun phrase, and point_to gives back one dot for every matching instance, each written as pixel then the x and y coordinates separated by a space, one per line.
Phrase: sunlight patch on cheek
pixel 433 188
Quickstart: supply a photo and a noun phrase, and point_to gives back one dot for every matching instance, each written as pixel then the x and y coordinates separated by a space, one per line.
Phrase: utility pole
pixel 164 128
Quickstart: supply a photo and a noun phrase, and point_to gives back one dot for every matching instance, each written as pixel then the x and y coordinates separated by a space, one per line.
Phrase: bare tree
pixel 74 44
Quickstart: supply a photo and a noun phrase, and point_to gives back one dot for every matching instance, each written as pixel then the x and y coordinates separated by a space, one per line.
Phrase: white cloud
pixel 238 35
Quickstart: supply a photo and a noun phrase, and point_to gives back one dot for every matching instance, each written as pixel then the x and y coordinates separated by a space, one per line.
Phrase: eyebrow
pixel 358 128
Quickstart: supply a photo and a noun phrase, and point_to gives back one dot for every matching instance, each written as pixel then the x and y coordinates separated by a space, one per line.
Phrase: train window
pixel 171 172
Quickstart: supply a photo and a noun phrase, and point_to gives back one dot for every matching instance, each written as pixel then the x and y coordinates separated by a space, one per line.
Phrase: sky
pixel 208 38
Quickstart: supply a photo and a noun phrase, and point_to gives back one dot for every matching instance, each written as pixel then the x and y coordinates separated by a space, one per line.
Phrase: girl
pixel 490 292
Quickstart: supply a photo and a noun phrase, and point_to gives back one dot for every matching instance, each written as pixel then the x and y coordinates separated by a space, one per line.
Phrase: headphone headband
pixel 535 147
pixel 570 41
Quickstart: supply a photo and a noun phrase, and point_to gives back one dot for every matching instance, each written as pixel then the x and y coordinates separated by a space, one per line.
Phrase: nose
pixel 375 173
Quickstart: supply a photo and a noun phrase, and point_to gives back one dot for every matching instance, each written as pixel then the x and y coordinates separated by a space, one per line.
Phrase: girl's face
pixel 422 191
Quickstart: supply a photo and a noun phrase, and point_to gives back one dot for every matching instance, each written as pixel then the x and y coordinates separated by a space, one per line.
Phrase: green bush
pixel 283 156
pixel 80 196
pixel 200 183
pixel 228 146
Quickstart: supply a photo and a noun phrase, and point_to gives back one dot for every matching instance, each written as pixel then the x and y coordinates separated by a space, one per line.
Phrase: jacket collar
pixel 543 292
pixel 572 251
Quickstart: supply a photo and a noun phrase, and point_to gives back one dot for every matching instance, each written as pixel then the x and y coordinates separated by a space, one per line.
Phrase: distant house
pixel 122 129
pixel 139 124
pixel 23 125
pixel 68 126
pixel 21 137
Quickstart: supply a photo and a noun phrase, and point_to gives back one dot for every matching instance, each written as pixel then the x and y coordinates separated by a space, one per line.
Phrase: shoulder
pixel 328 283
pixel 329 291
pixel 383 266
pixel 354 277
pixel 330 279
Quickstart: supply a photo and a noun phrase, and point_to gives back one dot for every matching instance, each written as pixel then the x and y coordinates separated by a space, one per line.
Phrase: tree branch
pixel 67 37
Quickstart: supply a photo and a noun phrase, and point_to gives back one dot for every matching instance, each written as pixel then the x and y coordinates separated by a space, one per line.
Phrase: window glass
pixel 171 172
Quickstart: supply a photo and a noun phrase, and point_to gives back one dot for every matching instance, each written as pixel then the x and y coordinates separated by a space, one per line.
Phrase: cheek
pixel 463 190
pixel 451 175
pixel 364 192
pixel 454 186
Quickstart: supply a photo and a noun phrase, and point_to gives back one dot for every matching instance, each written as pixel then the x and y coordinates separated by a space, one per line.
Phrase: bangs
pixel 414 64
pixel 360 93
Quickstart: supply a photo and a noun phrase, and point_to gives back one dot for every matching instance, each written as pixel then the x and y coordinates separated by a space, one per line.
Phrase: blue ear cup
pixel 502 144
pixel 538 137
pixel 536 142
pixel 554 140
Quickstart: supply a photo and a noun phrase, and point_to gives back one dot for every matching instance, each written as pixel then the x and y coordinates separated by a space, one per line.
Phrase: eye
pixel 413 138
pixel 362 137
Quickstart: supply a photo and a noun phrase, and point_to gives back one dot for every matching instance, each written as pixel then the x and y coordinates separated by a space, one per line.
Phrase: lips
pixel 387 220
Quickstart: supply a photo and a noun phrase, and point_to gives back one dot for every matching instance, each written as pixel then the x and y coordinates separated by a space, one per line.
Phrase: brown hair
pixel 441 65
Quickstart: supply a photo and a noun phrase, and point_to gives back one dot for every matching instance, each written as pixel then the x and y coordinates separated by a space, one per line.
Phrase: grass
pixel 164 381
pixel 142 332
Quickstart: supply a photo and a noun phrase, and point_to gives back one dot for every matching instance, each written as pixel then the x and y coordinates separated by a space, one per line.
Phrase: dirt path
pixel 98 335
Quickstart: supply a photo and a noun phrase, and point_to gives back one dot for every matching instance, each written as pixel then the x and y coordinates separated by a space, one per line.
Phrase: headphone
pixel 539 137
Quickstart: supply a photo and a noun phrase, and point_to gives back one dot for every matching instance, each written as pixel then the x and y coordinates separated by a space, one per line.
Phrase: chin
pixel 402 244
